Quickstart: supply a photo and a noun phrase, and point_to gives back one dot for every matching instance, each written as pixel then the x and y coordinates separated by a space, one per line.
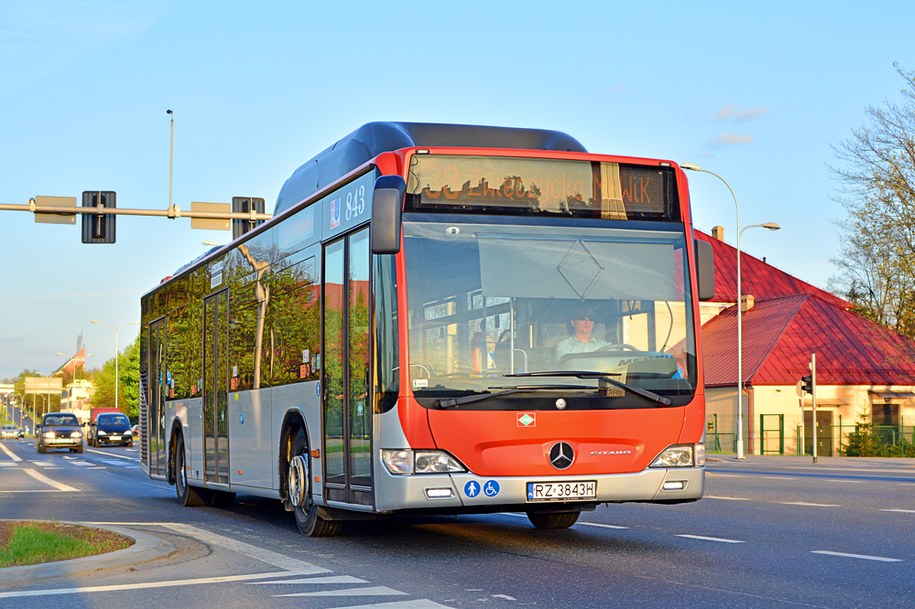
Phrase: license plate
pixel 62 441
pixel 573 490
pixel 114 438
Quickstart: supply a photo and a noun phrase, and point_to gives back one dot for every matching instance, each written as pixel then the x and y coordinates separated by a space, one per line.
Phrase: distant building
pixel 74 397
pixel 864 371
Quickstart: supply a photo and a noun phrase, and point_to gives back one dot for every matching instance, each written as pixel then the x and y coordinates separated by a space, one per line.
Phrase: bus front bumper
pixel 472 493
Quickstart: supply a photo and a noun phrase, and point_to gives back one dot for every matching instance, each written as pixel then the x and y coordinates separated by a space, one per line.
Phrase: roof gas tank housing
pixel 372 139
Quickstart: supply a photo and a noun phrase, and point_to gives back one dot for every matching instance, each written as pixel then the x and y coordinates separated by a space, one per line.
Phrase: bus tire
pixel 298 480
pixel 188 496
pixel 553 520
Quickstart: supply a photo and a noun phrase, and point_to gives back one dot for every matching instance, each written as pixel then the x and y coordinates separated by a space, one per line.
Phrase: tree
pixel 877 267
pixel 127 385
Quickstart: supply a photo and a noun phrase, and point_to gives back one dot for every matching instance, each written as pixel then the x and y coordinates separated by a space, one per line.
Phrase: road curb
pixel 146 547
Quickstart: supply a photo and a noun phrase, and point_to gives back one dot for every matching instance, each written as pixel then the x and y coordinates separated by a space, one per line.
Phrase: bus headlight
pixel 405 462
pixel 681 455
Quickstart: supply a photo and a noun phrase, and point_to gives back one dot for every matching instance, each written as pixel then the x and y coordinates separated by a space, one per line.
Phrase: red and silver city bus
pixel 439 319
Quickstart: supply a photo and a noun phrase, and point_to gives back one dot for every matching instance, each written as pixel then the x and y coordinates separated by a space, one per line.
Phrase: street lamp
pixel 117 352
pixel 769 226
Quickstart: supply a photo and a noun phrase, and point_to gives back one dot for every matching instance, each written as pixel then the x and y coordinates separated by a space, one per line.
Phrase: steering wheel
pixel 616 347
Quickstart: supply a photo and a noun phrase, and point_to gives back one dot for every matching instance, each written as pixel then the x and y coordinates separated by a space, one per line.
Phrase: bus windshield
pixel 488 301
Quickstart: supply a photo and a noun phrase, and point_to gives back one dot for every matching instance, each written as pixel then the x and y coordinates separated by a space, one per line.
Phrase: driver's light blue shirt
pixel 573 345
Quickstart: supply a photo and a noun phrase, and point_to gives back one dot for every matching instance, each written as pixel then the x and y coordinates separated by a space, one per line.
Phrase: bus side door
pixel 347 409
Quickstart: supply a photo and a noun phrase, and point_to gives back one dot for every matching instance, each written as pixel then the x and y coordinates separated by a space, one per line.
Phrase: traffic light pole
pixel 813 400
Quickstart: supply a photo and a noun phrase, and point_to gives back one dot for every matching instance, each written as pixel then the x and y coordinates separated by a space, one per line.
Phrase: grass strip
pixel 31 542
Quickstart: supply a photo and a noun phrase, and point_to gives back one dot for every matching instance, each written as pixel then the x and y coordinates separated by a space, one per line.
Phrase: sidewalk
pixel 831 462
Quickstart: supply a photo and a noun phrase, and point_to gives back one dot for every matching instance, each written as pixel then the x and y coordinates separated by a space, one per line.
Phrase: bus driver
pixel 582 339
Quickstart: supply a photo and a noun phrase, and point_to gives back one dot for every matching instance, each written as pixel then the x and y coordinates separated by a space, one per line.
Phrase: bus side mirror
pixel 387 209
pixel 705 270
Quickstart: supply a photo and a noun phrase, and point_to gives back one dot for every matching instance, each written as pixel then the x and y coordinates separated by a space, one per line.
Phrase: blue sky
pixel 757 92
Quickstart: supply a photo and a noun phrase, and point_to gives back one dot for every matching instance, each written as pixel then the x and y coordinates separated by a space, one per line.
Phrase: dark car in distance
pixel 59 430
pixel 110 428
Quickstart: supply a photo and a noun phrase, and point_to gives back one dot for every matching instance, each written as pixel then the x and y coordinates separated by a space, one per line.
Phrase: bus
pixel 438 319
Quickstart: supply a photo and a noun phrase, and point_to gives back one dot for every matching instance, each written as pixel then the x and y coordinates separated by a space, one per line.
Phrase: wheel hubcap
pixel 298 480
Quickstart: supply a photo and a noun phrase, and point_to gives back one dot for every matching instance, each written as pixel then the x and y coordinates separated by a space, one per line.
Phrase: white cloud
pixel 738 113
pixel 726 113
pixel 733 138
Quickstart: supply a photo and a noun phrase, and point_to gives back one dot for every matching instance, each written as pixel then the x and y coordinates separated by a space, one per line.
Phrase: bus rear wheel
pixel 188 496
pixel 298 479
pixel 553 520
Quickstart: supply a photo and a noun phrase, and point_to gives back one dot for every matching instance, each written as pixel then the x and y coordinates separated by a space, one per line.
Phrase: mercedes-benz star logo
pixel 561 455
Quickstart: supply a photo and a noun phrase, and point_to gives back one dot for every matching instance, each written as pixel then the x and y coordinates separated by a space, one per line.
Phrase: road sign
pixel 55 218
pixel 223 209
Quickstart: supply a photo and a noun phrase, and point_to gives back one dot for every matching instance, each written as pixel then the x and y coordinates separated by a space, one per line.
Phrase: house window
pixel 885 415
pixel 885 419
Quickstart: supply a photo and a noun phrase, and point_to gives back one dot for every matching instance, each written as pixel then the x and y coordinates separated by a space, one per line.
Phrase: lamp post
pixel 117 352
pixel 770 226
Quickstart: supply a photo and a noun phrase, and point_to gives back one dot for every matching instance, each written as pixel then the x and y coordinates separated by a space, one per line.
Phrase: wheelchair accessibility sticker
pixel 490 488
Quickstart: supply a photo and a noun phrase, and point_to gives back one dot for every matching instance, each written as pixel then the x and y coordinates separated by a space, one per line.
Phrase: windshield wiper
pixel 602 377
pixel 479 397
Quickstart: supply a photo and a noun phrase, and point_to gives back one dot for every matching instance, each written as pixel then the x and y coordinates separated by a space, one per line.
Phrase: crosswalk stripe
pixel 331 579
pixel 370 591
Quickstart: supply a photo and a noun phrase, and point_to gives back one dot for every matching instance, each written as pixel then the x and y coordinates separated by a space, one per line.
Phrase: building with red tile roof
pixel 864 371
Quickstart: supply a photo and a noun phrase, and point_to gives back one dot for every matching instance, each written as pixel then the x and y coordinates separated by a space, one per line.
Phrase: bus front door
pixel 215 387
pixel 347 409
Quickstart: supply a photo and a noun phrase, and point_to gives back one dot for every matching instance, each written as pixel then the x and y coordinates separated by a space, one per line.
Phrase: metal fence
pixel 772 438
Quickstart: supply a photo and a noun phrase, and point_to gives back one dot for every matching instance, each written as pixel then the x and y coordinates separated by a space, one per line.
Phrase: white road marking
pixel 370 591
pixel 107 454
pixel 718 539
pixel 46 464
pixel 120 463
pixel 330 579
pixel 603 526
pixel 859 556
pixel 46 490
pixel 10 453
pixel 146 585
pixel 722 498
pixel 239 547
pixel 898 510
pixel 53 483
pixel 420 604
pixel 805 504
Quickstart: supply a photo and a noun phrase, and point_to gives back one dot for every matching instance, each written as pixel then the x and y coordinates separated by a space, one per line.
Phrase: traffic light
pixel 244 205
pixel 807 383
pixel 99 228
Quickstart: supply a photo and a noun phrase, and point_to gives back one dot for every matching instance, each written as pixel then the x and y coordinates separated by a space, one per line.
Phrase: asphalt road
pixel 771 532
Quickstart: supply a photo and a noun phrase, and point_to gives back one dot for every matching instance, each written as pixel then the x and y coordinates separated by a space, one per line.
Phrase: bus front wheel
pixel 553 520
pixel 298 478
